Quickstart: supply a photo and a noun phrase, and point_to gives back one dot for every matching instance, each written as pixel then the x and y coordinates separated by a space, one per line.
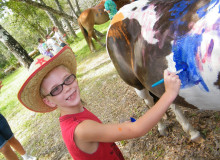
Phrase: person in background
pixel 110 8
pixel 52 84
pixel 59 37
pixel 43 48
pixel 8 140
pixel 52 45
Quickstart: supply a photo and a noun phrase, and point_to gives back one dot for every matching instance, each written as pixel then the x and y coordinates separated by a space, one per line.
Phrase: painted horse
pixel 95 16
pixel 147 37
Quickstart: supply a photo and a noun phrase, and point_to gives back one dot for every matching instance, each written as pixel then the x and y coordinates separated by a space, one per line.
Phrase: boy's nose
pixel 66 88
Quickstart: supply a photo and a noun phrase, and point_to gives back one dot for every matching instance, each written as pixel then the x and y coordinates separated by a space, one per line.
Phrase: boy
pixel 54 85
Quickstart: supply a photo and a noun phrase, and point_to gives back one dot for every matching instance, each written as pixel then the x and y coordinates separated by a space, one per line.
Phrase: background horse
pixel 147 37
pixel 92 16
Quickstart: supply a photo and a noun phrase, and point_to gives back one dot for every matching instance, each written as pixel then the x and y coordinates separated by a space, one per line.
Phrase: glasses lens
pixel 69 80
pixel 57 90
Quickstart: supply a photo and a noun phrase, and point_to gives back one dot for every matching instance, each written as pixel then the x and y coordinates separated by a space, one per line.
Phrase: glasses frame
pixel 62 84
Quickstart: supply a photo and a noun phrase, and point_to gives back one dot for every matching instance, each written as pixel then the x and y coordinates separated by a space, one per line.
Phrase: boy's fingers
pixel 165 73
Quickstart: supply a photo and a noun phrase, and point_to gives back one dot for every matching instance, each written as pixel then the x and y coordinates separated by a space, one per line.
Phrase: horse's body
pixel 145 38
pixel 95 16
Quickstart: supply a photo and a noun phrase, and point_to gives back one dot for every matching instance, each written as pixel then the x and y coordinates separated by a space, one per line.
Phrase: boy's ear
pixel 49 103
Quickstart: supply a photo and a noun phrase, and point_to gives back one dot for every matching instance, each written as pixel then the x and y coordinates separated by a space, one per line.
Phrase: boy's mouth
pixel 71 97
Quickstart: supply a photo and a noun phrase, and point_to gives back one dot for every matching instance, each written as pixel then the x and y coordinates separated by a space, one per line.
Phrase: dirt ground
pixel 108 97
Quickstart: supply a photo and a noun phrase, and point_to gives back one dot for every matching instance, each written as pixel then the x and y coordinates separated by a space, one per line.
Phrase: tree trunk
pixel 54 21
pixel 71 6
pixel 65 21
pixel 46 8
pixel 70 28
pixel 77 6
pixel 17 50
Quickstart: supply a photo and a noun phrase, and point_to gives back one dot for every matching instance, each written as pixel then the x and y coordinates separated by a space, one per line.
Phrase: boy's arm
pixel 62 40
pixel 91 131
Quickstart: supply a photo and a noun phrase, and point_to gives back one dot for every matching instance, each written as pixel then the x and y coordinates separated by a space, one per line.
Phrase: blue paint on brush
pixel 132 119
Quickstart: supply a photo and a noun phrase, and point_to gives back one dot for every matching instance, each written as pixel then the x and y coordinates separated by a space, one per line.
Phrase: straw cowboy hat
pixel 29 94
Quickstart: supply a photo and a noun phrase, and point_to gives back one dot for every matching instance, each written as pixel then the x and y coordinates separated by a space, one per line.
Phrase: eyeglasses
pixel 58 89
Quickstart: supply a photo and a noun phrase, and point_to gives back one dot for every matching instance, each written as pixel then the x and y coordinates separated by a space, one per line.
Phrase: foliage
pixel 27 23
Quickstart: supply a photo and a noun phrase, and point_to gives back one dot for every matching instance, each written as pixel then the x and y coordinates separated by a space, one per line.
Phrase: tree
pixel 25 23
pixel 77 6
pixel 71 6
pixel 65 21
pixel 17 50
pixel 46 8
pixel 54 20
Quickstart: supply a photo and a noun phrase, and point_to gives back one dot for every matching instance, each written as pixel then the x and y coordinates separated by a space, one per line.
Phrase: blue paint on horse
pixel 185 50
pixel 210 49
pixel 186 47
pixel 179 9
pixel 202 11
pixel 145 7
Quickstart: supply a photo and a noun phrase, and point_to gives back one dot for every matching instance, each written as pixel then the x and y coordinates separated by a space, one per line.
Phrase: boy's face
pixel 70 95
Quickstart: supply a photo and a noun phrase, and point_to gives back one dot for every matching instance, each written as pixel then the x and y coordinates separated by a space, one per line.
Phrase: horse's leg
pixel 99 34
pixel 187 127
pixel 90 42
pixel 94 36
pixel 148 99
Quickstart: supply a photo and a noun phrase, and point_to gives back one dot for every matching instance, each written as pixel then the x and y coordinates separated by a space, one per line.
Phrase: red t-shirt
pixel 105 151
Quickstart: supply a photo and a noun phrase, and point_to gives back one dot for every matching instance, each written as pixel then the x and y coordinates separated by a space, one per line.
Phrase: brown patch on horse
pixel 217 83
pixel 119 37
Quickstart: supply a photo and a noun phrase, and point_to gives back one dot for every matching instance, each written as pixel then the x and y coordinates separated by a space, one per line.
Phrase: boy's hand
pixel 172 83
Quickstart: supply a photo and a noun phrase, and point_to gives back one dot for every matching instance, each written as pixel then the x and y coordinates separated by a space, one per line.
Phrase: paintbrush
pixel 177 72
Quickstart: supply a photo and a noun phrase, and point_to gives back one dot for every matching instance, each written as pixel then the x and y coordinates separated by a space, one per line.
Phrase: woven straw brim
pixel 29 94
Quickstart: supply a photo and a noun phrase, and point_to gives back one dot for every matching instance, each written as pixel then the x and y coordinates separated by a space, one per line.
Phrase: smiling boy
pixel 52 84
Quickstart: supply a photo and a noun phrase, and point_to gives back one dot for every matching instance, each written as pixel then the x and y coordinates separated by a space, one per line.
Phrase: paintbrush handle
pixel 157 83
pixel 162 80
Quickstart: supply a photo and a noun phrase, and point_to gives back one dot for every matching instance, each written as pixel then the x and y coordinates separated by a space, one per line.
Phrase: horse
pixel 148 36
pixel 95 16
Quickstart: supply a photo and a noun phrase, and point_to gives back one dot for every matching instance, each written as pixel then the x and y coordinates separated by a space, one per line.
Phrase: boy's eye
pixel 56 89
pixel 69 79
